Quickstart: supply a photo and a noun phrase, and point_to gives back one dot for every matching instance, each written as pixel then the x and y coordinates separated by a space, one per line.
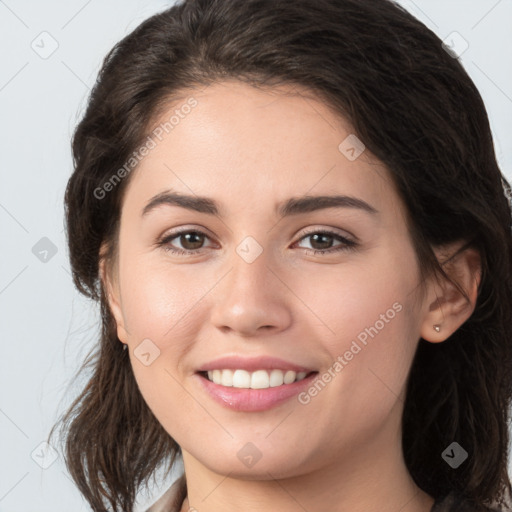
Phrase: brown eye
pixel 321 242
pixel 191 240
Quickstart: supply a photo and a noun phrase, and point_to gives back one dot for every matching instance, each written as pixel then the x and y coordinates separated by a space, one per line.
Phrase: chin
pixel 250 463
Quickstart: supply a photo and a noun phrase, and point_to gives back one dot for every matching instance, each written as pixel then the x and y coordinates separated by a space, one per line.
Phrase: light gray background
pixel 47 327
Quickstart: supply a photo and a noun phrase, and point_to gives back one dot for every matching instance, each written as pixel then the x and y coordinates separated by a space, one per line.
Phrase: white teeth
pixel 227 378
pixel 276 378
pixel 260 379
pixel 216 377
pixel 241 379
pixel 289 377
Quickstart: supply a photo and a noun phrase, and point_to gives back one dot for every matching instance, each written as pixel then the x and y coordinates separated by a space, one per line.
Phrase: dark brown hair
pixel 415 108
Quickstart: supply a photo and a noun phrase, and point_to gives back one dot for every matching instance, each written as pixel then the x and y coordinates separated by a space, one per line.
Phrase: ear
pixel 111 286
pixel 445 306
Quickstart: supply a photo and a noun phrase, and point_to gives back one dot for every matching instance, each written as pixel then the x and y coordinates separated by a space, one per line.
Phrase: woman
pixel 293 219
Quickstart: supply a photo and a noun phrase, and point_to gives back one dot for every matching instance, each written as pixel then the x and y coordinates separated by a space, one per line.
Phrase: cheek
pixel 355 302
pixel 366 327
pixel 159 303
pixel 369 344
pixel 161 311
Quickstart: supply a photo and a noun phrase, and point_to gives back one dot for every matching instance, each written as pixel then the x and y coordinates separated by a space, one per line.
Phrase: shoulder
pixel 172 499
pixel 455 502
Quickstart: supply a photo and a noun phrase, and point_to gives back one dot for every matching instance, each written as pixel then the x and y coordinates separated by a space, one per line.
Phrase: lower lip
pixel 253 400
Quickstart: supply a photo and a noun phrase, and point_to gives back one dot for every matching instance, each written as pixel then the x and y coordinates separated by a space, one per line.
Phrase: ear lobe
pixel 113 298
pixel 446 306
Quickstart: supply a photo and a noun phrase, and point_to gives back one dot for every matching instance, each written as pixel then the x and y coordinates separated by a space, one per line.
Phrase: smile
pixel 259 379
pixel 241 396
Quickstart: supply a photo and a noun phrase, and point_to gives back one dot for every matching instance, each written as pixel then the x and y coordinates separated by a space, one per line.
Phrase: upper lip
pixel 252 364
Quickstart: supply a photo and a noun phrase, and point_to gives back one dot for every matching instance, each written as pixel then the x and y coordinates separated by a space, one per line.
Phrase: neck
pixel 370 475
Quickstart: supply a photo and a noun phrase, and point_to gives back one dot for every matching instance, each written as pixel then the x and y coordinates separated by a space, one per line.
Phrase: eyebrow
pixel 293 206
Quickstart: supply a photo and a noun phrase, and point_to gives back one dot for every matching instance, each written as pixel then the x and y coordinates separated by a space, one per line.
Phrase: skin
pixel 250 149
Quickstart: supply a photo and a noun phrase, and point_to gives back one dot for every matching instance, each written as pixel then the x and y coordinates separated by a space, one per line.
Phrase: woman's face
pixel 251 288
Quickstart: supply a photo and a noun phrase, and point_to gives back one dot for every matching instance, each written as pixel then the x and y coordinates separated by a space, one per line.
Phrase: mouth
pixel 252 384
pixel 259 379
pixel 253 391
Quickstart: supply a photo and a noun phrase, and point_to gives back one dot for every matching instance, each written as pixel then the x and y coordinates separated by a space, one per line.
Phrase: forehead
pixel 248 146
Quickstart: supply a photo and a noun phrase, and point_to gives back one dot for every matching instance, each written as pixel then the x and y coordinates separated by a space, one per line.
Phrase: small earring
pixel 125 346
pixel 437 328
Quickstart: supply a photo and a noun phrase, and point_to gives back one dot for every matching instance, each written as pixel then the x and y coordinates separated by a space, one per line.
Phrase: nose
pixel 252 299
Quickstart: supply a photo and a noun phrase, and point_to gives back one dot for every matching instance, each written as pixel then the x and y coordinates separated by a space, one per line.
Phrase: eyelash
pixel 347 244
